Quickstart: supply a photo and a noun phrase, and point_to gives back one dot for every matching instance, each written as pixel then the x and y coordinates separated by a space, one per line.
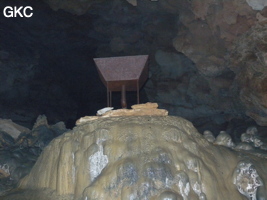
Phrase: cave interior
pixel 207 61
pixel 47 61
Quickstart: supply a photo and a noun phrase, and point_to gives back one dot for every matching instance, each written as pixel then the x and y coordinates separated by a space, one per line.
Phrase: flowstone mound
pixel 141 158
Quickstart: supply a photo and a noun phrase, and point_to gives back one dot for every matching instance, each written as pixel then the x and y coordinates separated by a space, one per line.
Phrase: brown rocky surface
pixel 210 27
pixel 211 30
pixel 249 62
pixel 141 157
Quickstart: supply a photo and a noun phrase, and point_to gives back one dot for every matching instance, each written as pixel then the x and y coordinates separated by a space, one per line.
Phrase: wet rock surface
pixel 18 155
pixel 141 157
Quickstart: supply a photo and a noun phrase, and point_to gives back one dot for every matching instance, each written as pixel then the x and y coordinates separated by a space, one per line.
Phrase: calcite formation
pixel 247 180
pixel 224 139
pixel 141 157
pixel 251 141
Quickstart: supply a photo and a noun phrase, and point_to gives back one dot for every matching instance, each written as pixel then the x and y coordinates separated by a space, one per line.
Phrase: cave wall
pixel 220 35
pixel 206 32
pixel 248 60
pixel 195 71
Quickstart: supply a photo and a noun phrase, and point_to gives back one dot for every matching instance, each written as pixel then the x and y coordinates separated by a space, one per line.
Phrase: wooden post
pixel 123 97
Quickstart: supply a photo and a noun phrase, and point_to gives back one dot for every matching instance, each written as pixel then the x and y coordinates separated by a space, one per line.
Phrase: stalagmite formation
pixel 142 157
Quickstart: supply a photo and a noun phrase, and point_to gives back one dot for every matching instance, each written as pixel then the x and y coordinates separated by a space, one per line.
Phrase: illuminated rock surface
pixel 142 157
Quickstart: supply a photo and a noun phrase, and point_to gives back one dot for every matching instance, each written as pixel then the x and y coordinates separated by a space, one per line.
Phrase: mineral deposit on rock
pixel 138 158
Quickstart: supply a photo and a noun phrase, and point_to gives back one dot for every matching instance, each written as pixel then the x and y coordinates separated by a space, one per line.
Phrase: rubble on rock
pixel 150 109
